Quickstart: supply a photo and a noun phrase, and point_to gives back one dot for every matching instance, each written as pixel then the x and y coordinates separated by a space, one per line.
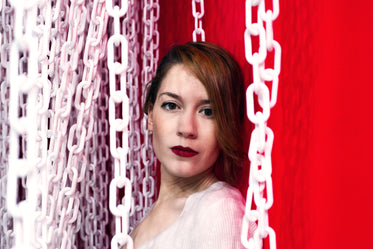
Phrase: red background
pixel 323 120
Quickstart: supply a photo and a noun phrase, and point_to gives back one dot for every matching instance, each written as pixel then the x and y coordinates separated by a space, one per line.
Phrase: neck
pixel 182 187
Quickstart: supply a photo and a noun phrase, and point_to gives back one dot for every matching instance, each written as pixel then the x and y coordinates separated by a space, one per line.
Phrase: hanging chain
pixel 22 180
pixel 260 179
pixel 150 56
pixel 59 168
pixel 131 27
pixel 118 121
pixel 62 64
pixel 50 189
pixel 6 39
pixel 198 13
pixel 92 186
pixel 73 124
pixel 42 31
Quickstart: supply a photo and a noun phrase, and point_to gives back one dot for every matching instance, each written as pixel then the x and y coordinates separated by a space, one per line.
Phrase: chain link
pixel 198 12
pixel 117 60
pixel 260 180
pixel 6 39
pixel 62 113
pixel 54 82
pixel 150 56
pixel 92 186
pixel 74 126
pixel 131 27
pixel 22 175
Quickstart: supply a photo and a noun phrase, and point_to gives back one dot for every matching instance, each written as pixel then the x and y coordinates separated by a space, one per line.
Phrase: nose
pixel 187 126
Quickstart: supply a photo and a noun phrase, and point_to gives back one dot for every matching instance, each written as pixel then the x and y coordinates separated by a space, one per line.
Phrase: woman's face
pixel 183 126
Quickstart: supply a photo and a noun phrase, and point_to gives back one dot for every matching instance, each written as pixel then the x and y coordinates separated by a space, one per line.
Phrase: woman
pixel 195 108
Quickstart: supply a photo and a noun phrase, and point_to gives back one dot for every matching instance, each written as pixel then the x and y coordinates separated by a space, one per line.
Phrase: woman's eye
pixel 207 112
pixel 169 106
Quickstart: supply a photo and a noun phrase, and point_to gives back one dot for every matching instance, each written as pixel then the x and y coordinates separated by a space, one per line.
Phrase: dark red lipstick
pixel 183 151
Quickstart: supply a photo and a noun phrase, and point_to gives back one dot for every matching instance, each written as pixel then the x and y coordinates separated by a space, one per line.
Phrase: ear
pixel 150 119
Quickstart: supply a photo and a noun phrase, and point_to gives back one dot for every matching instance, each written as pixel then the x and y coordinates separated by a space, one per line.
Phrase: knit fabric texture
pixel 211 219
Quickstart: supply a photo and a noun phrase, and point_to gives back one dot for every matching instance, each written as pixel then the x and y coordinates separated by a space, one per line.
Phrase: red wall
pixel 323 121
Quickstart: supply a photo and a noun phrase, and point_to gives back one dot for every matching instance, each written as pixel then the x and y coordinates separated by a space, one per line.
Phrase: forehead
pixel 180 80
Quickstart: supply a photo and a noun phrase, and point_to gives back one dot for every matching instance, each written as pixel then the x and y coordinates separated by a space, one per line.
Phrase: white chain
pixel 131 27
pixel 150 56
pixel 74 126
pixel 92 206
pixel 43 33
pixel 117 64
pixel 23 178
pixel 62 27
pixel 6 38
pixel 198 13
pixel 260 179
pixel 61 99
pixel 94 209
pixel 56 168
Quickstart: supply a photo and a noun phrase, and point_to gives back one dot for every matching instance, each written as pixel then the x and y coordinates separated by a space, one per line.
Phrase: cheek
pixel 160 127
pixel 157 143
pixel 211 140
pixel 161 131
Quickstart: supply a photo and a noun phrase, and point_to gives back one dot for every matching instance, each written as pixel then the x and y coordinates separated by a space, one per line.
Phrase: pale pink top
pixel 211 219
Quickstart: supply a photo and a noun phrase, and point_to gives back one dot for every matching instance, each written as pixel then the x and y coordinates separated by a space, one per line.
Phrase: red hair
pixel 222 77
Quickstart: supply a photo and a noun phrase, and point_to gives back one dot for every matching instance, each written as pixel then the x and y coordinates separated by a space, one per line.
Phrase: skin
pixel 181 116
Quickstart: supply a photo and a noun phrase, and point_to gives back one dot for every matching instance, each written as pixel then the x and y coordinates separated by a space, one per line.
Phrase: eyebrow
pixel 177 97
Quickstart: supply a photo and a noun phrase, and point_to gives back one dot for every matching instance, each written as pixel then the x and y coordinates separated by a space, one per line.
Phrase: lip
pixel 183 151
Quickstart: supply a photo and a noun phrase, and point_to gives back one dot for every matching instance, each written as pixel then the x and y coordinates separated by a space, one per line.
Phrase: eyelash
pixel 171 106
pixel 211 115
pixel 167 106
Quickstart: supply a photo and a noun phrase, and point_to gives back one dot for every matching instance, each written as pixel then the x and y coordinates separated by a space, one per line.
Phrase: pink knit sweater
pixel 211 219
